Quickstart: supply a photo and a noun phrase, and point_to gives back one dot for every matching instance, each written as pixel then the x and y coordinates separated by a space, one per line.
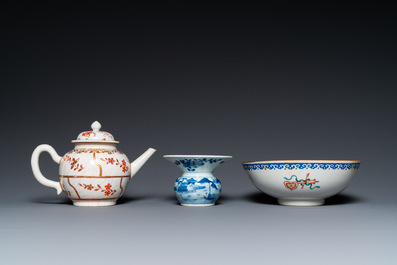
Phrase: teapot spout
pixel 140 161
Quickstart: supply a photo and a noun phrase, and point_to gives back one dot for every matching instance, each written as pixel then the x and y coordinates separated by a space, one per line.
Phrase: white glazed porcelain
pixel 301 182
pixel 94 173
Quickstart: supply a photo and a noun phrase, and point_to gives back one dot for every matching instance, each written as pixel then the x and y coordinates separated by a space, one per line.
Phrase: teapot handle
pixel 36 169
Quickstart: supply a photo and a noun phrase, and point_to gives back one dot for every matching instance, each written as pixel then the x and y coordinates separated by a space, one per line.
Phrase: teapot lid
pixel 95 135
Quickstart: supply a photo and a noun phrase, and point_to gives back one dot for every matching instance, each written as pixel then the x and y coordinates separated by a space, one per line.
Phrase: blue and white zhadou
pixel 197 186
pixel 197 190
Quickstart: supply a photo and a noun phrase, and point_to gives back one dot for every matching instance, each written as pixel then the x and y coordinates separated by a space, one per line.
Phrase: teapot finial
pixel 95 126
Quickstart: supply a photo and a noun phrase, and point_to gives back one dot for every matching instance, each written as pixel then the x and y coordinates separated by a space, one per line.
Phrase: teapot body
pixel 94 174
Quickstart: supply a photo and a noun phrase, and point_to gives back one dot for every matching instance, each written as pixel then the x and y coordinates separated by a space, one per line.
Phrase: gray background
pixel 253 82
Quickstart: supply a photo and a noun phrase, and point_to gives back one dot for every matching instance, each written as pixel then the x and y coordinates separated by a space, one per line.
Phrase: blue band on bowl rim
pixel 302 165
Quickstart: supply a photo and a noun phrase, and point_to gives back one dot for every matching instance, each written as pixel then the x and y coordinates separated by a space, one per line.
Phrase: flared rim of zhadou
pixel 302 161
pixel 198 156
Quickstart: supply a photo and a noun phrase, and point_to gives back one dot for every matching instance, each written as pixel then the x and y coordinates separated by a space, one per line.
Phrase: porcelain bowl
pixel 301 182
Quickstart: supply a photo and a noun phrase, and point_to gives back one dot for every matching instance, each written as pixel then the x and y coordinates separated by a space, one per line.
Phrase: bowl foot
pixel 94 203
pixel 301 202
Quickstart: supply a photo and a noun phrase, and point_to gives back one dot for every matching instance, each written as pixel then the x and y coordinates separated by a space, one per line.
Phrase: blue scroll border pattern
pixel 192 164
pixel 289 166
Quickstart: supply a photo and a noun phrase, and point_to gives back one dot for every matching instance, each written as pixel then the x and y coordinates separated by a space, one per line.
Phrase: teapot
pixel 94 173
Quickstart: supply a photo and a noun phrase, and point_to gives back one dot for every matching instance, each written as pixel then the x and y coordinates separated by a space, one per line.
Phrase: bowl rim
pixel 302 161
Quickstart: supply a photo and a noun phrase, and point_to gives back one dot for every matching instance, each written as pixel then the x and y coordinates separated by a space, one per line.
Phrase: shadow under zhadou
pixel 173 200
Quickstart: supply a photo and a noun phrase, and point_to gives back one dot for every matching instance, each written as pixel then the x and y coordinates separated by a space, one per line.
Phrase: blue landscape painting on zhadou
pixel 200 190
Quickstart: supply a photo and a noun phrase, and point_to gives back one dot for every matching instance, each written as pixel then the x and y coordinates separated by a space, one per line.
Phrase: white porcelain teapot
pixel 94 173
